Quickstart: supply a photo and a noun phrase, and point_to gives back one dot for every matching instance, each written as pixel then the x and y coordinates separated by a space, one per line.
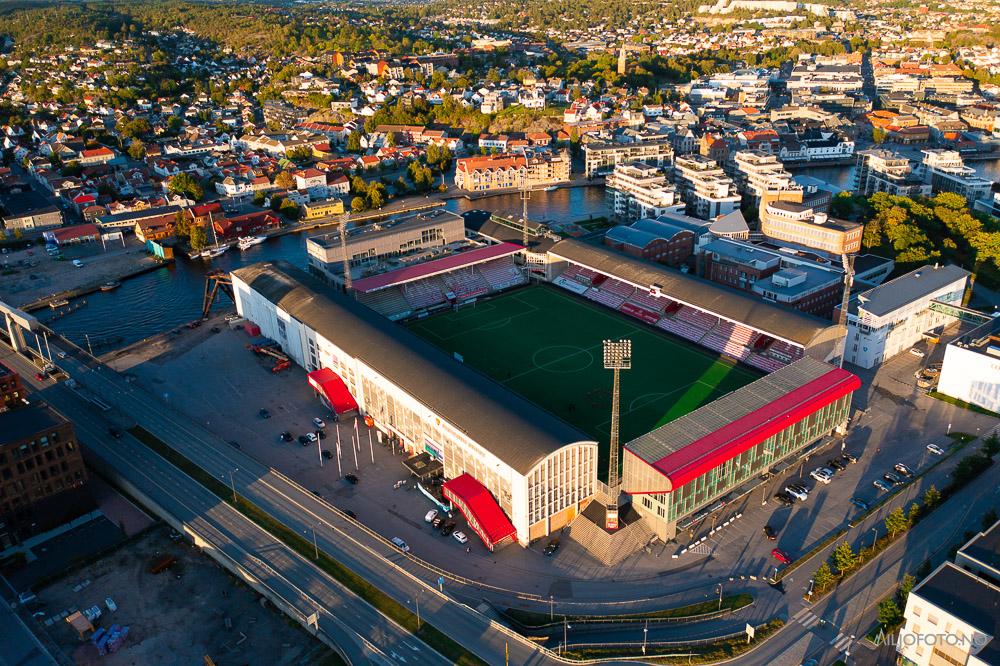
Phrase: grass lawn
pixel 546 345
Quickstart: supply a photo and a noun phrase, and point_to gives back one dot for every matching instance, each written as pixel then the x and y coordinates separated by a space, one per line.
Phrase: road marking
pixel 809 621
pixel 803 611
pixel 839 638
pixel 842 645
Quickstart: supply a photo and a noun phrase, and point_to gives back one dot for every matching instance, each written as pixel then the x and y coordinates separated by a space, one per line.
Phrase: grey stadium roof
pixel 790 325
pixel 515 430
pixel 707 419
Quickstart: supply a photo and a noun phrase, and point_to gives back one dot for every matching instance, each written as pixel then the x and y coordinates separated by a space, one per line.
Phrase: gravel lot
pixel 175 617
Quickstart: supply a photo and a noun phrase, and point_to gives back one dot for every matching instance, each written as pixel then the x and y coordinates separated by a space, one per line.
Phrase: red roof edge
pixel 435 266
pixel 479 507
pixel 333 387
pixel 740 435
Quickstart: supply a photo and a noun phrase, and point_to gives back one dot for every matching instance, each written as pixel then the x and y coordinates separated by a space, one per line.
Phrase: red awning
pixel 476 503
pixel 329 383
pixel 741 434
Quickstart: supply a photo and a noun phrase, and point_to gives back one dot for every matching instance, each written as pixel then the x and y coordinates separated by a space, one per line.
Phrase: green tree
pixel 285 180
pixel 184 184
pixel 300 154
pixel 258 198
pixel 182 225
pixel 289 209
pixel 354 142
pixel 823 578
pixel 991 445
pixel 390 139
pixel 377 195
pixel 358 205
pixel 198 238
pixel 889 614
pixel 844 557
pixel 135 128
pixel 932 496
pixel 903 591
pixel 174 124
pixel 895 521
pixel 879 135
pixel 913 515
pixel 136 149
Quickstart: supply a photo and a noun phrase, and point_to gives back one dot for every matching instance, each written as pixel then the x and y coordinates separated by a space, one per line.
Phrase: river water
pixel 171 296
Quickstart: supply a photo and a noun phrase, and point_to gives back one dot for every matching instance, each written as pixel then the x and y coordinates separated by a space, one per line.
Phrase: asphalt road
pixel 366 554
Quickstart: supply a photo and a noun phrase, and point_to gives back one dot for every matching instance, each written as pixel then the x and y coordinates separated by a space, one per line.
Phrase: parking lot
pixel 217 381
pixel 191 610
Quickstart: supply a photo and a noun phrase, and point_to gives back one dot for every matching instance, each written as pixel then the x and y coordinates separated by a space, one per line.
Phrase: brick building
pixel 11 390
pixel 42 477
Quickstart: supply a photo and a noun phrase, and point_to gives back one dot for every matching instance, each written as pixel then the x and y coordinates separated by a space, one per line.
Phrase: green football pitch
pixel 546 345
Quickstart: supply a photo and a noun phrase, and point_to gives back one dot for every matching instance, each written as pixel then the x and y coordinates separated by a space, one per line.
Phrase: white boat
pixel 214 251
pixel 247 242
pixel 551 188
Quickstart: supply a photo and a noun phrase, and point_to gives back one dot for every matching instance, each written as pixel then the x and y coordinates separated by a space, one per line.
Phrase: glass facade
pixel 717 482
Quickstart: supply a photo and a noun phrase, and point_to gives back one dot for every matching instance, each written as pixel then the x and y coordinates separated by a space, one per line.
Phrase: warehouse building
pixel 539 470
pixel 971 367
pixel 696 461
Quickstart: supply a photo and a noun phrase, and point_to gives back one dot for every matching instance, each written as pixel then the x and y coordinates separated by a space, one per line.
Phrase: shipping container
pixel 252 329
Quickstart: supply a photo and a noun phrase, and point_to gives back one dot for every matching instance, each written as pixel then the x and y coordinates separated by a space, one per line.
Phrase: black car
pixel 800 487
pixel 235 444
pixel 350 514
pixel 264 414
pixel 850 457
pixel 551 547
pixel 447 528
pixel 437 522
pixel 286 436
pixel 321 434
pixel 836 464
pixel 351 479
pixel 303 440
pixel 328 455
pixel 770 533
pixel 115 432
pixel 892 478
pixel 784 498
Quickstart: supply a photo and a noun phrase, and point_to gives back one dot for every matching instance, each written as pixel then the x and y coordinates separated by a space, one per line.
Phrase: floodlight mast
pixel 617 357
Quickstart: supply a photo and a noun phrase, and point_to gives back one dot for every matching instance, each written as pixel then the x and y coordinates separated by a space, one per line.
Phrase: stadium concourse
pixel 508 388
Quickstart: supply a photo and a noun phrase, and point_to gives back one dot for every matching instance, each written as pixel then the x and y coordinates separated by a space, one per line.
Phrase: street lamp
pixel 645 633
pixel 565 634
pixel 232 484
pixel 551 609
pixel 720 596
pixel 315 544
pixel 874 538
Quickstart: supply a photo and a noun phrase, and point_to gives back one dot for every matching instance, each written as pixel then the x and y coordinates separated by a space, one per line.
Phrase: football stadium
pixel 483 359
pixel 546 345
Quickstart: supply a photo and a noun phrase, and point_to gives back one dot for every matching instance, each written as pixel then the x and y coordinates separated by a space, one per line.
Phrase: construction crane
pixel 848 262
pixel 214 282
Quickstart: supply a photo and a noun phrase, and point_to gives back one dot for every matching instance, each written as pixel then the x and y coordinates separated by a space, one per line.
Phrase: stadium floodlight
pixel 617 357
pixel 617 354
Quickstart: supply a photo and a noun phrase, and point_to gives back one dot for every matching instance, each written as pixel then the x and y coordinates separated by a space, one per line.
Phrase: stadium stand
pixel 649 302
pixel 388 302
pixel 608 298
pixel 502 274
pixel 466 283
pixel 423 293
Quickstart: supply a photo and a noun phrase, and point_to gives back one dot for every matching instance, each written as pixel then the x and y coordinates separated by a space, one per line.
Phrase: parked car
pixel 903 469
pixel 286 436
pixel 860 503
pixel 551 547
pixel 263 413
pixel 437 522
pixel 797 494
pixel 826 470
pixel 321 434
pixel 770 533
pixel 350 514
pixel 881 485
pixel 821 476
pixel 303 440
pixel 319 423
pixel 836 464
pixel 430 516
pixel 78 263
pixel 784 498
pixel 311 437
pixel 781 556
pixel 916 352
pixel 399 543
pixel 328 455
pixel 351 479
pixel 801 487
pixel 110 603
pixel 935 449
pixel 892 478
pixel 447 528
pixel 850 457
pixel 460 537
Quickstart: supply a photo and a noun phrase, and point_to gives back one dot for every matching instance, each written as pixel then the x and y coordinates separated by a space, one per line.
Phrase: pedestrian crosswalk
pixel 810 620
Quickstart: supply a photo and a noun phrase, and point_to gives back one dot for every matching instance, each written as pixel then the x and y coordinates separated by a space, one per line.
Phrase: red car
pixel 39 376
pixel 781 556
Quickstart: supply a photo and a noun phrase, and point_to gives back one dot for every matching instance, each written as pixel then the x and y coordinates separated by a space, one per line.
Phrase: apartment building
pixel 889 319
pixel 827 74
pixel 946 172
pixel 801 224
pixel 11 389
pixel 317 210
pixel 635 191
pixel 376 246
pixel 797 282
pixel 508 171
pixel 601 157
pixel 884 171
pixel 761 178
pixel 951 616
pixel 705 187
pixel 42 477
